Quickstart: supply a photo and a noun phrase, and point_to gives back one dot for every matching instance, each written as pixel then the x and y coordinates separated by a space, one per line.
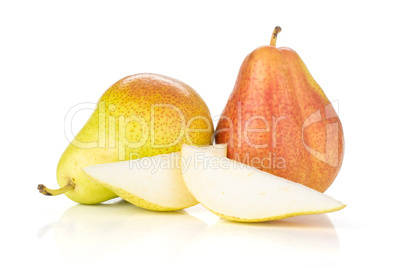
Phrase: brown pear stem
pixel 274 35
pixel 46 191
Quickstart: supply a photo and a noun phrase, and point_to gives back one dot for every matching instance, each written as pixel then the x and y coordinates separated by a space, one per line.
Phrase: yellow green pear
pixel 139 116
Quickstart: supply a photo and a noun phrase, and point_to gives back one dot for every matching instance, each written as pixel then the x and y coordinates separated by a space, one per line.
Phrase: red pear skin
pixel 279 120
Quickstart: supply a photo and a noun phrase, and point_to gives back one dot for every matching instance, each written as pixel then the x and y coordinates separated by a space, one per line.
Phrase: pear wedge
pixel 238 192
pixel 153 183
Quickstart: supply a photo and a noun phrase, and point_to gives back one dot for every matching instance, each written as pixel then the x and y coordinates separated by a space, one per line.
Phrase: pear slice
pixel 153 183
pixel 238 192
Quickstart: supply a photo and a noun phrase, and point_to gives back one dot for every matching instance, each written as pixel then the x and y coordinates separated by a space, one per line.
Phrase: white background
pixel 57 54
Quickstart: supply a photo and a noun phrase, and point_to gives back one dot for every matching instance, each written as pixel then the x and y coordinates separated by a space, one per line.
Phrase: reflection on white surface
pixel 303 240
pixel 105 233
pixel 89 233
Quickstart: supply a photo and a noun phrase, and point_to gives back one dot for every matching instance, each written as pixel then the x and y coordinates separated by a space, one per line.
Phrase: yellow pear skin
pixel 140 115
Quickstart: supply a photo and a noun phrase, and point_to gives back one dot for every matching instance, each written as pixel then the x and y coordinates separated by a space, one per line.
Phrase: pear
pixel 139 116
pixel 153 183
pixel 279 120
pixel 238 192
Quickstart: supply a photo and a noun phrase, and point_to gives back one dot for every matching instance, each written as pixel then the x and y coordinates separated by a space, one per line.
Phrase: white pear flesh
pixel 153 183
pixel 238 192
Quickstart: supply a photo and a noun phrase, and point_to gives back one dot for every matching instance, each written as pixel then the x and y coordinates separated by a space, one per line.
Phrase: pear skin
pixel 140 115
pixel 279 120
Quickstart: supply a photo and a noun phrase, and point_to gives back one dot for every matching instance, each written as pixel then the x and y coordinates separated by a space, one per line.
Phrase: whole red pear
pixel 279 120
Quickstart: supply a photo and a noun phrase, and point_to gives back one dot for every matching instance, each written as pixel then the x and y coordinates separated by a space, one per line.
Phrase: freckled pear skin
pixel 139 116
pixel 281 118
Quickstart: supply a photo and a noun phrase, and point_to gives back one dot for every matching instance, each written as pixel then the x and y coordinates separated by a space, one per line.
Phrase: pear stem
pixel 274 35
pixel 46 191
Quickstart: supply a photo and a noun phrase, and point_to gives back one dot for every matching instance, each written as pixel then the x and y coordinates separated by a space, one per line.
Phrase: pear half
pixel 238 192
pixel 153 183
